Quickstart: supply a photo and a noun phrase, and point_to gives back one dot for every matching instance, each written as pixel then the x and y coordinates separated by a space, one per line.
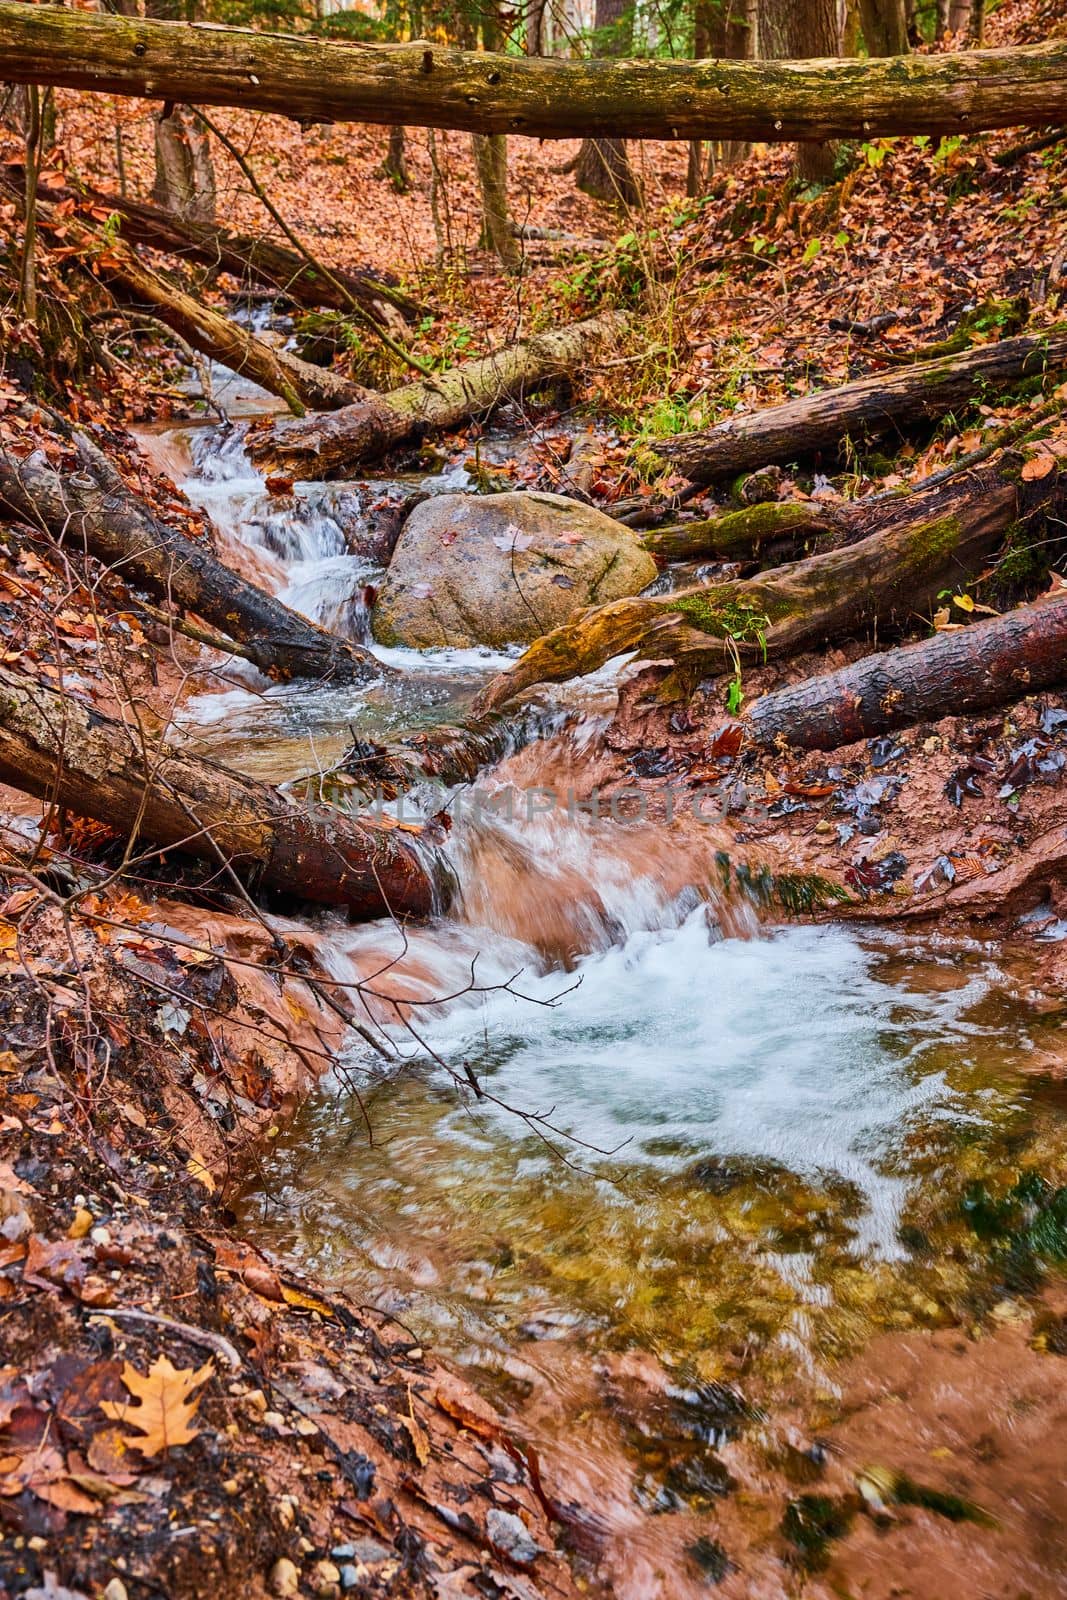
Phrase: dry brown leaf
pixel 305 1302
pixel 165 1410
pixel 1038 466
pixel 419 1437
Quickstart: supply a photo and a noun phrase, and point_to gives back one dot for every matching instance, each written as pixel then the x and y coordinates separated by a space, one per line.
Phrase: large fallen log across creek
pixel 818 424
pixel 60 749
pixel 85 506
pixel 906 550
pixel 320 447
pixel 988 664
pixel 425 84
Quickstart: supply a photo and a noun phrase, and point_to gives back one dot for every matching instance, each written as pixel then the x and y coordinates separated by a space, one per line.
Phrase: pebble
pixel 284 1578
pixel 325 1577
pixel 366 1550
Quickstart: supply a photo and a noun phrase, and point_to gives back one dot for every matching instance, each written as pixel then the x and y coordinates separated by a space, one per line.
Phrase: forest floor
pixel 180 1414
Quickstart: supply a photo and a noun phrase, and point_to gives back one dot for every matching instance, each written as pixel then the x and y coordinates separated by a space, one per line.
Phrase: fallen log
pixel 739 535
pixel 60 749
pixel 980 667
pixel 246 256
pixel 820 423
pixel 423 84
pixel 320 447
pixel 298 383
pixel 85 505
pixel 905 551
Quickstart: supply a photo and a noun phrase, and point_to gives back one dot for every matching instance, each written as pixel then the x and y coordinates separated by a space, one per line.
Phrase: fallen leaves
pixel 166 1405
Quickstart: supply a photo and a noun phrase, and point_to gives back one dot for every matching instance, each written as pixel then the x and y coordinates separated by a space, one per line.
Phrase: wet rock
pixel 510 1537
pixel 503 568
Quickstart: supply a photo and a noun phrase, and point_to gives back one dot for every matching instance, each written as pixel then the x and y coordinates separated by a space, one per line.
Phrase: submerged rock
pixel 503 568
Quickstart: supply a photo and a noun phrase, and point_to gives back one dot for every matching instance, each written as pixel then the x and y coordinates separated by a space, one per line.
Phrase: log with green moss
pixel 820 424
pixel 740 535
pixel 906 551
pixel 424 84
pixel 322 447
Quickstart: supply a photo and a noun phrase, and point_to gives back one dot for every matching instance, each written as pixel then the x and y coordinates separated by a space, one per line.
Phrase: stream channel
pixel 716 1157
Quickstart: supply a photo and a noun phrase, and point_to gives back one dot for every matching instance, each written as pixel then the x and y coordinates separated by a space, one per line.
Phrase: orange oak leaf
pixel 166 1408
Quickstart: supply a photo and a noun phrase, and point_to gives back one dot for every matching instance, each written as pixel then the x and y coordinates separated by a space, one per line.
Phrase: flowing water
pixel 645 1167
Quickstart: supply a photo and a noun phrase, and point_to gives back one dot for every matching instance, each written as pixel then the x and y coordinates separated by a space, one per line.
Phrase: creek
pixel 643 1165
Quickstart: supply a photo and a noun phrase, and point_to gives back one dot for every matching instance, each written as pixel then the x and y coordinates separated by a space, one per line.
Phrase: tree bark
pixel 185 176
pixel 320 447
pixel 885 27
pixel 86 506
pixel 603 168
pixel 249 256
pixel 986 665
pixel 817 424
pixel 907 551
pixel 491 162
pixel 134 285
pixel 793 29
pixel 426 85
pixel 58 748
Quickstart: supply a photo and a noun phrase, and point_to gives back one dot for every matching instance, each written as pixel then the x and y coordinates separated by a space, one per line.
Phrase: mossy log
pixel 60 749
pixel 906 550
pixel 740 535
pixel 321 447
pixel 423 84
pixel 986 665
pixel 135 286
pixel 85 505
pixel 819 424
pixel 249 256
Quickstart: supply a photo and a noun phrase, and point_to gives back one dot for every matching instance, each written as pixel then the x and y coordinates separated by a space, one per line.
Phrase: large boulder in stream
pixel 503 568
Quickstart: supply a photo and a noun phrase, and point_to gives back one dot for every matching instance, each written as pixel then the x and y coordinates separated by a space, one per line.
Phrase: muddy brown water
pixel 646 1167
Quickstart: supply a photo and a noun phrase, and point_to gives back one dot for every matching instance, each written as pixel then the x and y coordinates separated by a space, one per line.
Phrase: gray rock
pixel 503 568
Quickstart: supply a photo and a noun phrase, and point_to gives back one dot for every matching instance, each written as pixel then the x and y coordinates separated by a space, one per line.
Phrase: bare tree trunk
pixel 986 665
pixel 58 748
pixel 885 28
pixel 86 506
pixel 603 169
pixel 795 30
pixel 185 176
pixel 394 166
pixel 976 22
pixel 491 162
pixel 943 25
pixel 818 423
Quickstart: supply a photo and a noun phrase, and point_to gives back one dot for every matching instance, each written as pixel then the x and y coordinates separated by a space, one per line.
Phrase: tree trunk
pixel 321 447
pixel 251 256
pixel 297 382
pixel 424 85
pixel 491 162
pixel 58 748
pixel 603 168
pixel 921 544
pixel 185 177
pixel 817 424
pixel 395 166
pixel 793 29
pixel 986 665
pixel 86 506
pixel 885 28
